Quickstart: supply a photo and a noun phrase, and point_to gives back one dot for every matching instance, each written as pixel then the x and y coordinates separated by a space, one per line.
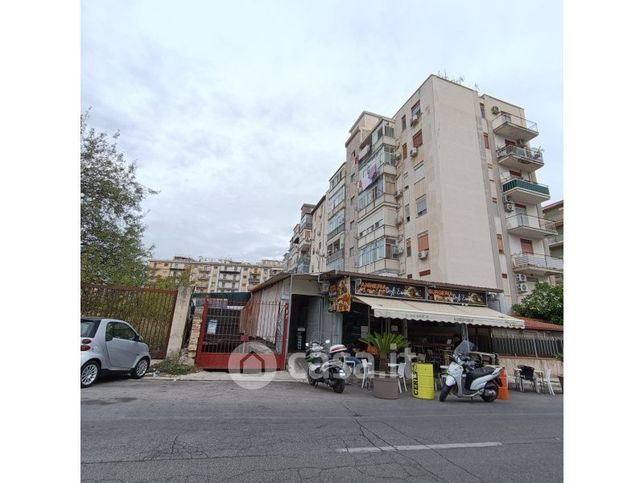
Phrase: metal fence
pixel 527 344
pixel 149 310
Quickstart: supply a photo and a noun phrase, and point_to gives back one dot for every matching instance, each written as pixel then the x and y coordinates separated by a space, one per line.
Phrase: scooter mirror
pixel 328 341
pixel 306 344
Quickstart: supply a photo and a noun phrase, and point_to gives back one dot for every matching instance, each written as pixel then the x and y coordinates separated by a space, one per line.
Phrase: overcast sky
pixel 237 112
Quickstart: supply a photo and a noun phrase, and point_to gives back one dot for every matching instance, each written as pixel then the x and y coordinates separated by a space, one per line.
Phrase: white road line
pixel 416 447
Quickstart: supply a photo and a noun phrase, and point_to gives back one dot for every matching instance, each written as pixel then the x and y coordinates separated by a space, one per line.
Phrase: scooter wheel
pixel 491 396
pixel 338 386
pixel 312 382
pixel 445 390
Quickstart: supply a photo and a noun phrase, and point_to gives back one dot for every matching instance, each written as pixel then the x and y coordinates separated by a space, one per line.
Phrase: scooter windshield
pixel 464 348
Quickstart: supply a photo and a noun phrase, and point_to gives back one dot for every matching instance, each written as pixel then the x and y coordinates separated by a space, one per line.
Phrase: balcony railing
pixel 543 262
pixel 511 119
pixel 516 157
pixel 338 254
pixel 335 231
pixel 527 221
pixel 555 239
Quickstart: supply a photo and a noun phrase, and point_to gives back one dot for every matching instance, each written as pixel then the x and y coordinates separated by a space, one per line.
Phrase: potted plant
pixel 385 385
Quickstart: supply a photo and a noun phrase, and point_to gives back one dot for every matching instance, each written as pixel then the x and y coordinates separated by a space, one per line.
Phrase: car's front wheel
pixel 141 368
pixel 89 373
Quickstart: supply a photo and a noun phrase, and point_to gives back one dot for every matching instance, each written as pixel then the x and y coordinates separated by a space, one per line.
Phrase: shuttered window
pixel 418 139
pixel 423 242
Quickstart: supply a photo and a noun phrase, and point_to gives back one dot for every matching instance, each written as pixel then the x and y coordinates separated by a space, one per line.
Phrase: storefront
pixel 430 316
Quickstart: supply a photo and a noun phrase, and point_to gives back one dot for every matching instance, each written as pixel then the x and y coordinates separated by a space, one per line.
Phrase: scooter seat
pixel 480 372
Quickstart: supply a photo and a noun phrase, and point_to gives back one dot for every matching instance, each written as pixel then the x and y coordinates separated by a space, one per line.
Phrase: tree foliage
pixel 171 282
pixel 112 249
pixel 545 302
pixel 385 344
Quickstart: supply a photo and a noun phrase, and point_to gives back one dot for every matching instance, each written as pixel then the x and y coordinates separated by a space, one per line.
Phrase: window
pixel 406 213
pixel 408 246
pixel 352 251
pixel 89 327
pixel 482 110
pixel 486 140
pixel 353 177
pixel 404 149
pixel 419 171
pixel 499 243
pixel 494 200
pixel 526 247
pixel 423 242
pixel 421 206
pixel 515 174
pixel 504 275
pixel 415 109
pixel 336 199
pixel 418 139
pixel 422 273
pixel 351 225
pixel 404 122
pixel 119 330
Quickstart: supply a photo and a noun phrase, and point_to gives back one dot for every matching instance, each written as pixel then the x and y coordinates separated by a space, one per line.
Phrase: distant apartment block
pixel 298 257
pixel 554 212
pixel 445 190
pixel 218 275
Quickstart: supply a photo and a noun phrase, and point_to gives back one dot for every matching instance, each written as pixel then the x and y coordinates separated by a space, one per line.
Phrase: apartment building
pixel 554 212
pixel 218 275
pixel 298 257
pixel 318 236
pixel 445 190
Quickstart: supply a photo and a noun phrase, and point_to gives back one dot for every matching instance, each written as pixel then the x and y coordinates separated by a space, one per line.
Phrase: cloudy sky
pixel 237 112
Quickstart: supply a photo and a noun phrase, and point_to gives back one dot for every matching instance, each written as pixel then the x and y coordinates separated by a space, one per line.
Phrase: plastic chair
pixel 401 375
pixel 365 372
pixel 527 374
pixel 545 382
pixel 518 382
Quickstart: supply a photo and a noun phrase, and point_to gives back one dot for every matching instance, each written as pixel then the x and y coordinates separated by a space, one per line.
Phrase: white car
pixel 111 346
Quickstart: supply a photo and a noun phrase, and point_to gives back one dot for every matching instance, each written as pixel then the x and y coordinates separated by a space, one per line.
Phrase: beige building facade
pixel 444 191
pixel 217 275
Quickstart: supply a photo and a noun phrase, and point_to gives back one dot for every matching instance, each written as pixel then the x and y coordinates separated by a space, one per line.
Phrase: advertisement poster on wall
pixel 396 290
pixel 456 296
pixel 340 295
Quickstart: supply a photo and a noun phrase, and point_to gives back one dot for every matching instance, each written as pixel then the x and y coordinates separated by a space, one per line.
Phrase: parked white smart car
pixel 111 346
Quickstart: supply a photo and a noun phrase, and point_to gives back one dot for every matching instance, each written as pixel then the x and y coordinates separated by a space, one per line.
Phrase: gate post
pixel 179 319
pixel 198 319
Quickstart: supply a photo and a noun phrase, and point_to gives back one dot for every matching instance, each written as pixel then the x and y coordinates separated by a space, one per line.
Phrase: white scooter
pixel 324 366
pixel 464 379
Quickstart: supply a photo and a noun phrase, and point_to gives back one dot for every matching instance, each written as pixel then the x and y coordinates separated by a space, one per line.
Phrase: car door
pixel 122 346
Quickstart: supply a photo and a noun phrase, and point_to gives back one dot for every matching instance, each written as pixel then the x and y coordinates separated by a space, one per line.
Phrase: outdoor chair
pixel 401 375
pixel 527 374
pixel 366 374
pixel 545 382
pixel 518 383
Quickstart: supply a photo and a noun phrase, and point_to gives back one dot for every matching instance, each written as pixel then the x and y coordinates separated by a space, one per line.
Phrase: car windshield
pixel 89 327
pixel 464 348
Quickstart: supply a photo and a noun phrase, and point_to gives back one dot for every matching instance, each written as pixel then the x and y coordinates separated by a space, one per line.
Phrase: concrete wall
pixel 179 320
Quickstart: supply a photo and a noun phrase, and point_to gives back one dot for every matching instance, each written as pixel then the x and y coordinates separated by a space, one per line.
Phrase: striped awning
pixel 436 312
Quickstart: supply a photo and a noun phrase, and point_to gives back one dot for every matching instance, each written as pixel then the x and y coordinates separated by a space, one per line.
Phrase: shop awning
pixel 436 312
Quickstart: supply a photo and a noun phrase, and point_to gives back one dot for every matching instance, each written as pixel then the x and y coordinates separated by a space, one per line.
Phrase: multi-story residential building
pixel 218 275
pixel 298 258
pixel 318 236
pixel 554 212
pixel 445 191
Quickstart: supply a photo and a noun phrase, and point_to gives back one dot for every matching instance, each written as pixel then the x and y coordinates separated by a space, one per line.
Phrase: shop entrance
pixel 303 307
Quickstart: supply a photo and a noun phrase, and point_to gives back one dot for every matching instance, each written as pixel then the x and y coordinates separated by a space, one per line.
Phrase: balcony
pixel 514 127
pixel 537 265
pixel 526 192
pixel 385 199
pixel 380 266
pixel 531 227
pixel 388 231
pixel 555 241
pixel 523 159
pixel 337 255
pixel 336 231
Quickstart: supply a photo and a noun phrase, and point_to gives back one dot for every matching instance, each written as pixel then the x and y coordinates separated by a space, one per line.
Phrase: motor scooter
pixel 465 379
pixel 324 366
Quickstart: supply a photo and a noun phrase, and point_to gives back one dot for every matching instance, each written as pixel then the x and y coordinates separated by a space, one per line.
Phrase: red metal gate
pixel 229 325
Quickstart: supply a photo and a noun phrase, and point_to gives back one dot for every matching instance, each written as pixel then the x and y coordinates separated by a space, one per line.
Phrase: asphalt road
pixel 183 431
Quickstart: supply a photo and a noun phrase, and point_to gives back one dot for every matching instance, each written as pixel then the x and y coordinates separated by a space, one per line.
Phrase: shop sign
pixel 456 296
pixel 340 295
pixel 396 290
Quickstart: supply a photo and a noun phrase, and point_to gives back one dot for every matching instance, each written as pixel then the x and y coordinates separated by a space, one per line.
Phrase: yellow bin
pixel 422 380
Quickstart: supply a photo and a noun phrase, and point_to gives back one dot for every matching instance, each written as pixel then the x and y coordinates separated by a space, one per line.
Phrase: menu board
pixel 396 290
pixel 340 295
pixel 456 296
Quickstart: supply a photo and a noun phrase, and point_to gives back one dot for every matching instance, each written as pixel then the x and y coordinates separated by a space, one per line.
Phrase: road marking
pixel 416 447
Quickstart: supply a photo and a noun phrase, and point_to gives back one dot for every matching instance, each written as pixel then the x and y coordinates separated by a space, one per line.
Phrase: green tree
pixel 112 249
pixel 545 302
pixel 173 281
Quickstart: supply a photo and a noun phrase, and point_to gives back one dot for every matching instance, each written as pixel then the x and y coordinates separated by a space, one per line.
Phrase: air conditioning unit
pixel 399 193
pixel 413 152
pixel 324 287
pixel 397 250
pixel 506 199
pixel 414 119
pixel 521 142
pixel 398 156
pixel 522 287
pixel 495 110
pixel 423 254
pixel 509 207
pixel 521 278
